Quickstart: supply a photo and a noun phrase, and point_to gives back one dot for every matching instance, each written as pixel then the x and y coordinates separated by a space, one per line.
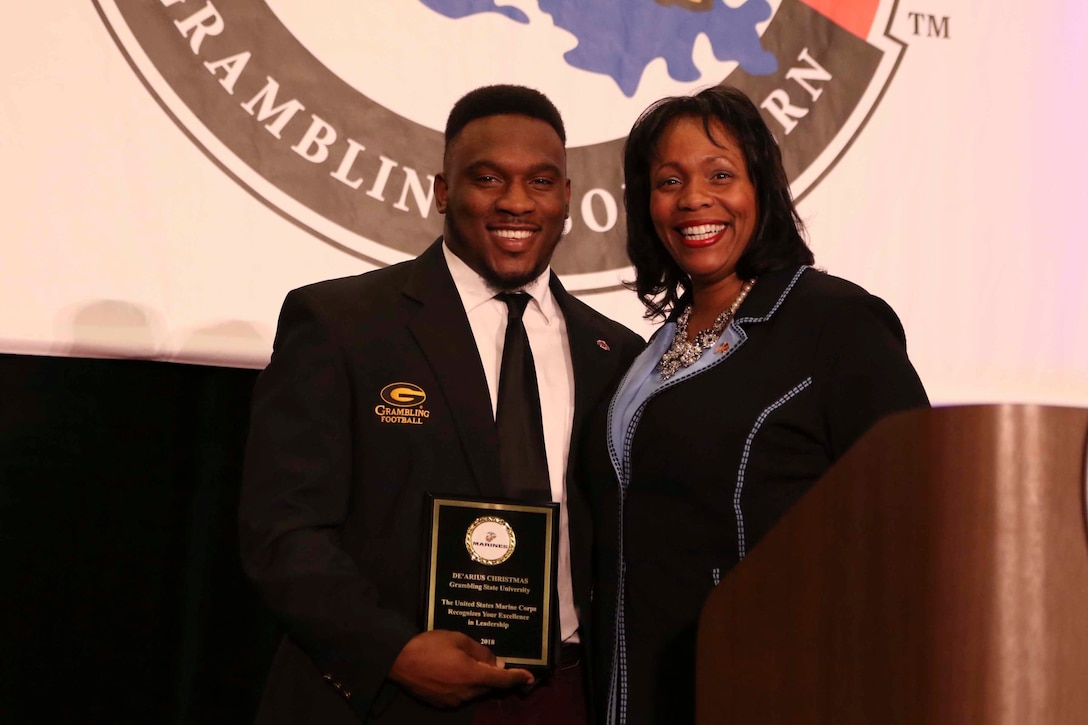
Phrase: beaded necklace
pixel 683 353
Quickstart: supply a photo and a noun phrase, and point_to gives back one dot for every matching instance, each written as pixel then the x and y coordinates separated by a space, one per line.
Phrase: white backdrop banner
pixel 174 167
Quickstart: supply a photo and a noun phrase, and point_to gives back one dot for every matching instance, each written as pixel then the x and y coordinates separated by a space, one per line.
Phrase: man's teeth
pixel 513 233
pixel 701 232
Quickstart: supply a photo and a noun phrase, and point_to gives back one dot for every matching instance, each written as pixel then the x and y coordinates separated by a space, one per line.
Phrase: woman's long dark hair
pixel 777 241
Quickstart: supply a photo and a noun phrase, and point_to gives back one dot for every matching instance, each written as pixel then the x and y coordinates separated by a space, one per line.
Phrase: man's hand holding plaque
pixel 447 669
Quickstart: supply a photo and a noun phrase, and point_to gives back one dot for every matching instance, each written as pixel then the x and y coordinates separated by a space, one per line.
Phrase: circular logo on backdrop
pixel 331 111
pixel 490 540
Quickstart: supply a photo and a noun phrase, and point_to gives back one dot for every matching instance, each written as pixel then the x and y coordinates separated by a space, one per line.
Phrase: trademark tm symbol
pixel 932 25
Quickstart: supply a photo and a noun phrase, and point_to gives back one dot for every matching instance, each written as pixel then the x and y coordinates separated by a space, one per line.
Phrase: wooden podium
pixel 937 574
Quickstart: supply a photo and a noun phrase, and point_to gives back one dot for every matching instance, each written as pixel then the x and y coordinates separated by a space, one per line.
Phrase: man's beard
pixel 509 284
pixel 495 280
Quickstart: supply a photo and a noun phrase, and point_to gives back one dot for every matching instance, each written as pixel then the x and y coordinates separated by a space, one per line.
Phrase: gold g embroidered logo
pixel 403 395
pixel 402 403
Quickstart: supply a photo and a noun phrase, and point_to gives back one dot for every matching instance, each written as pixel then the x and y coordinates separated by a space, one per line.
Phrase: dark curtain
pixel 122 597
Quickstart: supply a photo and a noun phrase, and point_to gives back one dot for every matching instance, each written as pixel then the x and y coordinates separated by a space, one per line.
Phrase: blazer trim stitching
pixel 742 544
pixel 778 302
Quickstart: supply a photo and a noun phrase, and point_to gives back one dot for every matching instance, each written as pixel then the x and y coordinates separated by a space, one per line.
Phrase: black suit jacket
pixel 717 457
pixel 332 499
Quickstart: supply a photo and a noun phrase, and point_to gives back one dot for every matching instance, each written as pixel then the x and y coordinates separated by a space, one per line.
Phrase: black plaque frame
pixel 485 600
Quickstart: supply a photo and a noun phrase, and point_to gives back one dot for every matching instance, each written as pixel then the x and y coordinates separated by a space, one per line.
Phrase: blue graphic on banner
pixel 460 8
pixel 619 38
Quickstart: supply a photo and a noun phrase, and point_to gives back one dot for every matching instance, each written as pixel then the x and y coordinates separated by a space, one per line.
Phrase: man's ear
pixel 441 190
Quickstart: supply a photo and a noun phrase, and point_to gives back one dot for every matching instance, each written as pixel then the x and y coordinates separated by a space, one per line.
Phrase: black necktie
pixel 522 459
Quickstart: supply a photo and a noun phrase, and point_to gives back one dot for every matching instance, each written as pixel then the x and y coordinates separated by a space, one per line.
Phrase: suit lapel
pixel 594 364
pixel 442 330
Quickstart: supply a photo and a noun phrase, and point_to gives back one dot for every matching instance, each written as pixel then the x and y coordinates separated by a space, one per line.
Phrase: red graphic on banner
pixel 853 15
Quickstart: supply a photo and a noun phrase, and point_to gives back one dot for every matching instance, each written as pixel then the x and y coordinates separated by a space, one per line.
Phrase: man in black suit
pixel 331 506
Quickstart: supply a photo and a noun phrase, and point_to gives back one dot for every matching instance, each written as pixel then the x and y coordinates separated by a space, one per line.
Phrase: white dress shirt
pixel 547 332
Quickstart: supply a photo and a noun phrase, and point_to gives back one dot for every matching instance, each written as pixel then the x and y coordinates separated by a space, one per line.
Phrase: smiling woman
pixel 704 210
pixel 717 433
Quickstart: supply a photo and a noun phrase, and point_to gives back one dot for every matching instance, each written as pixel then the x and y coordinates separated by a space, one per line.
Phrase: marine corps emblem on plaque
pixel 490 540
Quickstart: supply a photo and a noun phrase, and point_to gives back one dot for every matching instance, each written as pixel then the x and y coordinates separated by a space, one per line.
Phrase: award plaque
pixel 490 573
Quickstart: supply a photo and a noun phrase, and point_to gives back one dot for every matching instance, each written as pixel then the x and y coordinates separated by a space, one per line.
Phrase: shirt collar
pixel 475 291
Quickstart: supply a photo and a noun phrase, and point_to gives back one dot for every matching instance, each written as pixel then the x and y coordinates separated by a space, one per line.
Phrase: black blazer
pixel 331 505
pixel 717 458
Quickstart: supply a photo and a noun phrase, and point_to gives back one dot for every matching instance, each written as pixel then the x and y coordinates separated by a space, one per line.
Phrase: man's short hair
pixel 501 100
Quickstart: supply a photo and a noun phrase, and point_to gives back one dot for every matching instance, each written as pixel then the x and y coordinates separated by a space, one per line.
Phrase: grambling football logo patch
pixel 402 404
